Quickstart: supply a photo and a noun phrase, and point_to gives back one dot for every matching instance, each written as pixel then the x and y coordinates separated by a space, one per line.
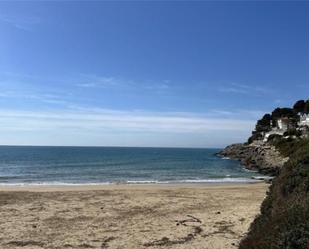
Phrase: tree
pixel 264 124
pixel 306 108
pixel 299 106
pixel 283 112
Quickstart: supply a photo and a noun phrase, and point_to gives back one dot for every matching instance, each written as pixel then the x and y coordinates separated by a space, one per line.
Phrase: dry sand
pixel 128 216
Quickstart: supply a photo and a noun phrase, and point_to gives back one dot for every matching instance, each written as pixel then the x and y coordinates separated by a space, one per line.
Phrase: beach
pixel 115 216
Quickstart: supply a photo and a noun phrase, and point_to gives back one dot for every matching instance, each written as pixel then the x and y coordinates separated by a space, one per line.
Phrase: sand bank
pixel 128 216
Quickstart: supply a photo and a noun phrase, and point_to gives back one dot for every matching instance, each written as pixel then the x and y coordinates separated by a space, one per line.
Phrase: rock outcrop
pixel 256 156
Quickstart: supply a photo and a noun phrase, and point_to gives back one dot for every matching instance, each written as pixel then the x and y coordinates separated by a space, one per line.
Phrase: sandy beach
pixel 128 216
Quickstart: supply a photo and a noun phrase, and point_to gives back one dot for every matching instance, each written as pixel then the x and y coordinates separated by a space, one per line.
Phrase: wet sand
pixel 128 216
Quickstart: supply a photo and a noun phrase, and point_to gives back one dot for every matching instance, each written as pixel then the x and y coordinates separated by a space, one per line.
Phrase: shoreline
pixel 126 186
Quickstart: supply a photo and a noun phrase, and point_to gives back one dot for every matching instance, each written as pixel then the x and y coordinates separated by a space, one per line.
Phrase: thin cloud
pixel 20 22
pixel 118 121
pixel 238 88
pixel 237 113
pixel 94 81
pixel 40 97
pixel 233 90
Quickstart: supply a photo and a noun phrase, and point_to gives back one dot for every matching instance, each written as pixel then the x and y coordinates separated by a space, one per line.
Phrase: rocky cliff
pixel 256 156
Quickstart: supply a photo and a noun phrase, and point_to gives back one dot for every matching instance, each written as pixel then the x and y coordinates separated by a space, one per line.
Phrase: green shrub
pixel 255 136
pixel 292 132
pixel 284 219
pixel 274 137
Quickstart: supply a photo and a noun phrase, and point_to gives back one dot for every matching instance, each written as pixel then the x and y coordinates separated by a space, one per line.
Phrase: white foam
pixel 214 180
pixel 262 177
pixel 222 180
pixel 147 182
pixel 23 184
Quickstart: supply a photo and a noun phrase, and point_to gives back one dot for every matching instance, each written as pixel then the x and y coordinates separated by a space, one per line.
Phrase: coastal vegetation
pixel 284 219
pixel 272 121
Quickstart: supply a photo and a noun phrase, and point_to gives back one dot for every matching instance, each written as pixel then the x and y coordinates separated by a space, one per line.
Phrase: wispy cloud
pixel 99 82
pixel 94 81
pixel 74 89
pixel 109 120
pixel 34 96
pixel 25 23
pixel 20 87
pixel 238 88
pixel 237 114
pixel 82 126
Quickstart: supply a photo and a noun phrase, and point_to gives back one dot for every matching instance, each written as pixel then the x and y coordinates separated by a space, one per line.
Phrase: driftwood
pixel 192 219
pixel 165 241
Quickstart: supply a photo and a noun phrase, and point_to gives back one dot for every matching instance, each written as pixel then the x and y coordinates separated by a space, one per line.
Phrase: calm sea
pixel 23 165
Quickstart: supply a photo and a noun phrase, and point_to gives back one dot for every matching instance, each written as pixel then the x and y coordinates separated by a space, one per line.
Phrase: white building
pixel 272 132
pixel 303 119
pixel 283 124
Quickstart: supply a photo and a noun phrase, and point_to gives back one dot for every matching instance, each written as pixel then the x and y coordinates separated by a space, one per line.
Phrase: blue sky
pixel 147 73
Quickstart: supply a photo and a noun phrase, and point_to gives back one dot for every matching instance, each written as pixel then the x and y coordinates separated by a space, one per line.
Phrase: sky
pixel 147 73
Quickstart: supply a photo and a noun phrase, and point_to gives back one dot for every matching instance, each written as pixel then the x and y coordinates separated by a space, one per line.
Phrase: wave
pixel 215 180
pixel 148 182
pixel 184 181
pixel 26 184
pixel 222 180
pixel 262 178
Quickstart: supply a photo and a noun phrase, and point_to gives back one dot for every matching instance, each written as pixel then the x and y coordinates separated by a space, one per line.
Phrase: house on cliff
pixel 282 125
pixel 303 119
pixel 303 124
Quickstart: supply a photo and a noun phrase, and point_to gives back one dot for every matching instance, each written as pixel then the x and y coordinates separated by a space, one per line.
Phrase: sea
pixel 43 165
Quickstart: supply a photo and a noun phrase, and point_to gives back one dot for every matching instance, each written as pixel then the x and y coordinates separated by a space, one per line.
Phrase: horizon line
pixel 110 146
